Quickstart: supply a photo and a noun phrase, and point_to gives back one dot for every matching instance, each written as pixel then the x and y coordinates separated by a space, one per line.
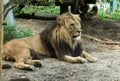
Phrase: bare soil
pixel 107 68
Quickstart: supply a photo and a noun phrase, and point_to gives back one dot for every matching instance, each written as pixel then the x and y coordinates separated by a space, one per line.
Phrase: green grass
pixel 51 10
pixel 109 15
pixel 37 9
pixel 11 32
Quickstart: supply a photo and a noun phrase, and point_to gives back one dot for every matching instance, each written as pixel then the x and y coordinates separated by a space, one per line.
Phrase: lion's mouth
pixel 76 36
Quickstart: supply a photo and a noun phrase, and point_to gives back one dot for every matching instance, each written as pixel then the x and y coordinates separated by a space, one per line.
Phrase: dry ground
pixel 107 68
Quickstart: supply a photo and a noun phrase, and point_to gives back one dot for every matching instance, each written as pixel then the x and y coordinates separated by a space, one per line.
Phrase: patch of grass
pixel 42 10
pixel 11 32
pixel 48 10
pixel 29 9
pixel 23 32
pixel 109 15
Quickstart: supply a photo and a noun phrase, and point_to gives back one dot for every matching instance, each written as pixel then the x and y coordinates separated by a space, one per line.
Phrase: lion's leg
pixel 20 59
pixel 23 66
pixel 20 63
pixel 35 63
pixel 73 59
pixel 89 57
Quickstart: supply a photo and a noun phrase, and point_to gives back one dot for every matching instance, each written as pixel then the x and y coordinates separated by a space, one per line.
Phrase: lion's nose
pixel 79 31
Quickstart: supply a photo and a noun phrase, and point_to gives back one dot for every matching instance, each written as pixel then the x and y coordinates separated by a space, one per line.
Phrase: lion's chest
pixel 64 48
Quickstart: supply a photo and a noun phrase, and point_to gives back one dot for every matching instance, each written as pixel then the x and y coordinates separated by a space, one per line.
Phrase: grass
pixel 51 10
pixel 37 9
pixel 115 15
pixel 11 32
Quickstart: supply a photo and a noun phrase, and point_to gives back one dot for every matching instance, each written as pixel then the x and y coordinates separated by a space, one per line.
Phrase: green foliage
pixel 39 9
pixel 31 6
pixel 16 11
pixel 29 9
pixel 22 32
pixel 11 32
pixel 109 15
pixel 26 10
pixel 48 9
pixel 32 2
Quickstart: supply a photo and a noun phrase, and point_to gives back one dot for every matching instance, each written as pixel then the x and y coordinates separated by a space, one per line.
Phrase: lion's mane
pixel 58 41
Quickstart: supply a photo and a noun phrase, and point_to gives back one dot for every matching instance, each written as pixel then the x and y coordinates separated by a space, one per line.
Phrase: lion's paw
pixel 93 60
pixel 30 68
pixel 84 60
pixel 80 60
pixel 37 64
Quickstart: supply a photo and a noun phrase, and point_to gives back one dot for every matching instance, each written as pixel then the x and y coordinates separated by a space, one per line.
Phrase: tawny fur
pixel 62 40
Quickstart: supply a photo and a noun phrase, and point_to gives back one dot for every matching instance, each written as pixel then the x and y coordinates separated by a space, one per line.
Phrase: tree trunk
pixel 75 7
pixel 63 8
pixel 1 36
pixel 61 2
pixel 63 5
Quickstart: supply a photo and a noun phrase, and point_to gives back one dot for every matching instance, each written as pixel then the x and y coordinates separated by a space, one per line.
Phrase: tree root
pixel 101 41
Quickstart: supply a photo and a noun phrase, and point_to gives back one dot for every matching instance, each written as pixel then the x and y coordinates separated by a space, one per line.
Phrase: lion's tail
pixel 6 66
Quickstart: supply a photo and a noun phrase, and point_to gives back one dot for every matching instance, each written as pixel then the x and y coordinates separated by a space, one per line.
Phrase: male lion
pixel 62 40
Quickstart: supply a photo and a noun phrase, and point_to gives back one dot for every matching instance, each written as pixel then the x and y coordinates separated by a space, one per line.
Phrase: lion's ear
pixel 60 21
pixel 78 17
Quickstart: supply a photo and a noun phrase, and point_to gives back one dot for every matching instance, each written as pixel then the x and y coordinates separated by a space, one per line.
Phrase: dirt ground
pixel 107 68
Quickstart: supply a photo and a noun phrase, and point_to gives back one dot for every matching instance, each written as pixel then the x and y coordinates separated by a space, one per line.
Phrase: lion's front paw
pixel 94 59
pixel 83 60
pixel 37 64
pixel 80 60
pixel 30 68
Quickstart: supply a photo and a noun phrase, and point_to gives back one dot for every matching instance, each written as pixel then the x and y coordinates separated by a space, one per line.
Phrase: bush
pixel 11 32
pixel 109 15
pixel 26 10
pixel 48 10
pixel 29 9
pixel 36 9
pixel 16 10
pixel 21 32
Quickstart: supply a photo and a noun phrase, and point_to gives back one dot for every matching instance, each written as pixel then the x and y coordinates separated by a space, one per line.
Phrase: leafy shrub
pixel 21 32
pixel 32 8
pixel 26 10
pixel 29 9
pixel 11 32
pixel 16 10
pixel 43 10
pixel 115 15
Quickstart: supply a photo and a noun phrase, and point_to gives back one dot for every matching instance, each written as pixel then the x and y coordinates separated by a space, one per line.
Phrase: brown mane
pixel 62 46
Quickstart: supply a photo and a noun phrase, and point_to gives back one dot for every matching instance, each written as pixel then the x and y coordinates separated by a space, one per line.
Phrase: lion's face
pixel 74 28
pixel 72 25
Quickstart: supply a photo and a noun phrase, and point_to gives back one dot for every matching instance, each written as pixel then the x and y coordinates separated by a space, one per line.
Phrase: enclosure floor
pixel 107 68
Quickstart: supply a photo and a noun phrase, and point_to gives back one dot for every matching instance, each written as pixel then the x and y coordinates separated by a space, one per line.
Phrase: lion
pixel 61 41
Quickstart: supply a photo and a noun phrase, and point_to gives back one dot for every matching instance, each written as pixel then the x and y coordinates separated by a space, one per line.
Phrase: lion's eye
pixel 71 25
